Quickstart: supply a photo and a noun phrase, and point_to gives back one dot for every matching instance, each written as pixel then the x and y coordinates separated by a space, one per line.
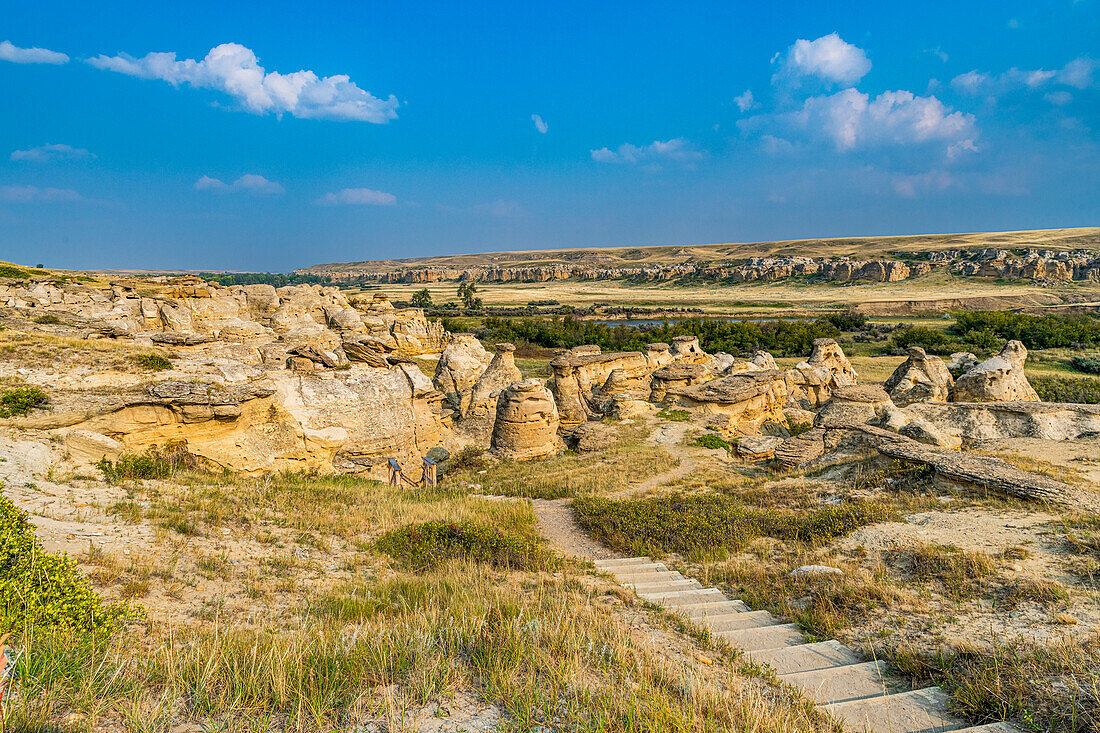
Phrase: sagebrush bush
pixel 42 590
pixel 21 400
pixel 712 441
pixel 424 545
pixel 704 522
pixel 153 463
pixel 1082 390
pixel 48 319
pixel 1087 363
pixel 154 362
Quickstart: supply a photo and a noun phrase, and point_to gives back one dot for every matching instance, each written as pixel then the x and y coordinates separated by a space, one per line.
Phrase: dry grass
pixel 628 461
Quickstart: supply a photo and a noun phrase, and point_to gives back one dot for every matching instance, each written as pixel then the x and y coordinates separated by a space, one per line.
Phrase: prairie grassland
pixel 271 607
pixel 750 299
pixel 624 462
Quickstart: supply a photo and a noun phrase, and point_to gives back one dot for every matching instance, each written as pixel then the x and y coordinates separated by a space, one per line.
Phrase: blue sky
pixel 278 135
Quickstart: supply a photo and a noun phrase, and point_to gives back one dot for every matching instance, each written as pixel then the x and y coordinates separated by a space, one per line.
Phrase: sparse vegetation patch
pixel 428 544
pixel 21 400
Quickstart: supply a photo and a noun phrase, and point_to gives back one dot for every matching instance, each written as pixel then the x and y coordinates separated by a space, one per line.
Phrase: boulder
pixel 800 449
pixel 757 447
pixel 962 362
pixel 920 378
pixel 925 432
pixel 997 379
pixel 827 353
pixel 526 423
pixel 747 400
pixel 676 375
pixel 591 437
pixel 476 423
pixel 460 366
pixel 859 404
pixel 687 348
pixel 764 360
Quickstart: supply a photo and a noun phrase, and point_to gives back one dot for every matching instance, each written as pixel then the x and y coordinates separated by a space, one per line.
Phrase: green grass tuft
pixel 21 400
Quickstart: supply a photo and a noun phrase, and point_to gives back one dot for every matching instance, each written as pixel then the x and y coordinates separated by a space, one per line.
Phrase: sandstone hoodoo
pixel 861 403
pixel 462 363
pixel 476 423
pixel 920 378
pixel 526 423
pixel 742 402
pixel 997 379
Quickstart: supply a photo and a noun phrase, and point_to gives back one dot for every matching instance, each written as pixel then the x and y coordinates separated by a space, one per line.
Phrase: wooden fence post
pixel 395 472
pixel 429 478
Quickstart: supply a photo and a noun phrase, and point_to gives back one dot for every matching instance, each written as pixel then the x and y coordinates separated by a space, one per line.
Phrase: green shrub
pixel 699 522
pixel 43 590
pixel 21 400
pixel 48 319
pixel 13 272
pixel 930 339
pixel 1082 390
pixel 712 441
pixel 675 415
pixel 1036 332
pixel 797 428
pixel 1087 363
pixel 425 545
pixel 153 463
pixel 470 458
pixel 153 362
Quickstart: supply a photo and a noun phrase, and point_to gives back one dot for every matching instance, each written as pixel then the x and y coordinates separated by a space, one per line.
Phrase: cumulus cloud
pixel 1078 74
pixel 829 59
pixel 541 126
pixel 234 70
pixel 677 149
pixel 851 120
pixel 11 52
pixel 357 197
pixel 248 183
pixel 46 153
pixel 745 101
pixel 923 183
pixel 34 194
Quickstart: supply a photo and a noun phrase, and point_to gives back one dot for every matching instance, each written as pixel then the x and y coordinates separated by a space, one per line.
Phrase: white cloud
pixel 1059 98
pixel 850 120
pixel 923 183
pixel 539 124
pixel 677 149
pixel 829 59
pixel 248 183
pixel 34 194
pixel 233 69
pixel 357 197
pixel 11 52
pixel 46 153
pixel 745 101
pixel 1077 74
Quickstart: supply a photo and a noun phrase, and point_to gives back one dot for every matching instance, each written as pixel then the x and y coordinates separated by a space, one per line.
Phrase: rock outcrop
pixel 476 423
pixel 810 383
pixel 858 404
pixel 462 363
pixel 744 401
pixel 526 424
pixel 920 378
pixel 973 423
pixel 998 379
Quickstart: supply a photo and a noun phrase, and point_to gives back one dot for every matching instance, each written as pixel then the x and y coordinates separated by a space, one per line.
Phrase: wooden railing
pixel 429 475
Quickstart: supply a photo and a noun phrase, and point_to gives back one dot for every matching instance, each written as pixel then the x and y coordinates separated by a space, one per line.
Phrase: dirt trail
pixel 556 516
pixel 560 527
pixel 670 436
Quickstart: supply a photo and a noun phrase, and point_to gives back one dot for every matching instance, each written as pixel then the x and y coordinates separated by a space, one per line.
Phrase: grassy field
pixel 856 247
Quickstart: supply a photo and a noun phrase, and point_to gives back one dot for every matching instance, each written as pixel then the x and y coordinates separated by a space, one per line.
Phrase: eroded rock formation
pixel 920 378
pixel 997 379
pixel 526 423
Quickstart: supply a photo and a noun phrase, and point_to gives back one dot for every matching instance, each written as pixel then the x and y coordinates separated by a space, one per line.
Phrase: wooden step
pixel 919 711
pixel 806 657
pixel 763 637
pixel 991 728
pixel 840 684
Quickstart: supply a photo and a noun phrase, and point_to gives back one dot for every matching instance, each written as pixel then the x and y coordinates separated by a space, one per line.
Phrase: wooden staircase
pixel 860 694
